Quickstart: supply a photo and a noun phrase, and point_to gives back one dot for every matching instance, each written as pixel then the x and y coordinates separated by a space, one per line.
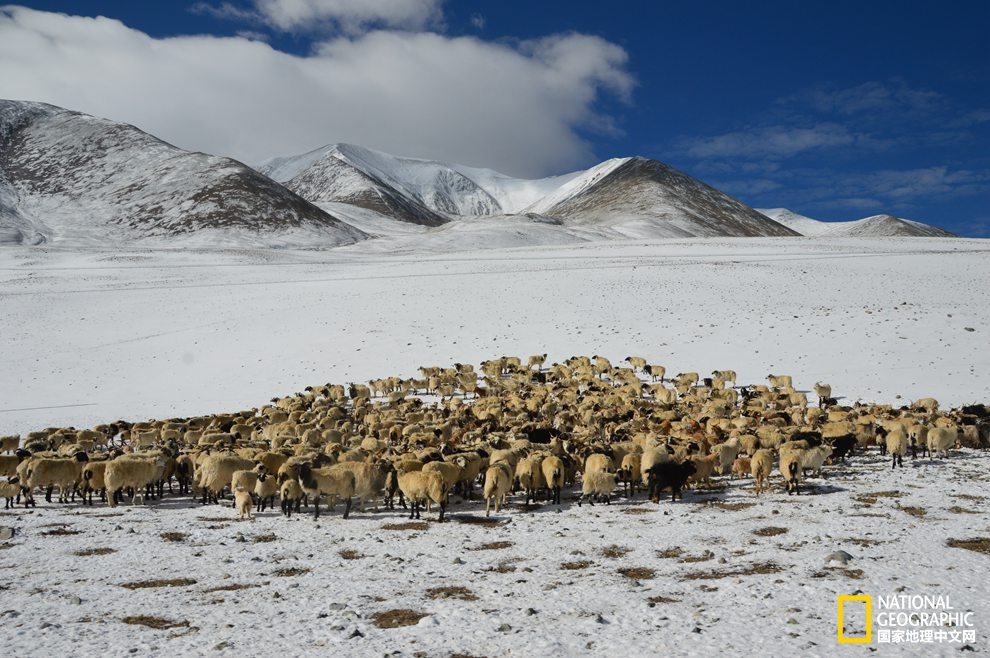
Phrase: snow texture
pixel 95 335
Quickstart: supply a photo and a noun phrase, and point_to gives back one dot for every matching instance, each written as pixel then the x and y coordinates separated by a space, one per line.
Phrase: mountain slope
pixel 643 190
pixel 868 227
pixel 66 176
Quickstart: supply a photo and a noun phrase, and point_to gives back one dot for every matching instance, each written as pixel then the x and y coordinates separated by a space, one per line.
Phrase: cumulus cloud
pixel 347 16
pixel 520 108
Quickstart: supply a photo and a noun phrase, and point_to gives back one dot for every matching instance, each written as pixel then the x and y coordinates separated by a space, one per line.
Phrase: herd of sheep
pixel 511 427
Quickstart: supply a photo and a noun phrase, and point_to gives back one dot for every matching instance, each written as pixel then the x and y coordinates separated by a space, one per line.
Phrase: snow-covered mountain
pixel 632 195
pixel 72 178
pixel 875 226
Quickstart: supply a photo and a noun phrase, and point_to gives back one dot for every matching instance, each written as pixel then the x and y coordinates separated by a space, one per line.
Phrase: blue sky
pixel 836 110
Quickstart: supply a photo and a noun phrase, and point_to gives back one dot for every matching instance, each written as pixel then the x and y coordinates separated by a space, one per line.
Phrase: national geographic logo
pixel 903 619
pixel 868 617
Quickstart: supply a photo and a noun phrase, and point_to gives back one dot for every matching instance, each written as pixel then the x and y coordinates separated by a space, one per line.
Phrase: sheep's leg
pixel 443 509
pixel 347 507
pixel 48 493
pixel 316 505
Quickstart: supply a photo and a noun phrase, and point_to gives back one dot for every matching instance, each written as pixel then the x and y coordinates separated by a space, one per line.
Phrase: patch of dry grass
pixel 636 510
pixel 462 593
pixel 397 618
pixel 638 573
pixel 977 544
pixel 493 546
pixel 409 525
pixel 229 588
pixel 482 521
pixel 174 536
pixel 758 568
pixel 917 512
pixel 86 552
pixel 576 566
pixel 61 531
pixel 670 553
pixel 158 623
pixel 653 600
pixel 956 509
pixel 160 582
pixel 291 571
pixel 731 507
pixel 770 531
pixel 350 554
pixel 615 551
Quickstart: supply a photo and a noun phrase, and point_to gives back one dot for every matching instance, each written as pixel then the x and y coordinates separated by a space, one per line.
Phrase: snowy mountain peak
pixel 69 177
pixel 874 226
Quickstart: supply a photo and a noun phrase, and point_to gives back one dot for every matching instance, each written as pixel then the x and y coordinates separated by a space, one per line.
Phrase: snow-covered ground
pixel 93 336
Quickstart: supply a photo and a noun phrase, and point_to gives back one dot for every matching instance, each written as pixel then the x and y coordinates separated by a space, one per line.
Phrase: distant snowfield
pixel 93 336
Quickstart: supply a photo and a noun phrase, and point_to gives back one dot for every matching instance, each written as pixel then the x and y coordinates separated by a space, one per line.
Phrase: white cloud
pixel 351 16
pixel 517 108
pixel 769 141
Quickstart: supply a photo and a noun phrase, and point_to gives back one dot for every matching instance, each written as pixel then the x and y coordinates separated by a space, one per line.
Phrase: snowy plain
pixel 135 333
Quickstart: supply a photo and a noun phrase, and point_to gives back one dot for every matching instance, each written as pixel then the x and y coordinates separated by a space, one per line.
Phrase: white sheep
pixel 780 381
pixel 897 444
pixel 529 475
pixel 64 473
pixel 265 490
pixel 823 391
pixel 419 486
pixel 812 459
pixel 291 495
pixel 655 371
pixel 131 473
pixel 536 360
pixel 637 362
pixel 761 464
pixel 318 481
pixel 10 443
pixel 10 490
pixel 553 475
pixel 216 472
pixel 790 469
pixel 597 484
pixel 727 452
pixel 498 482
pixel 940 439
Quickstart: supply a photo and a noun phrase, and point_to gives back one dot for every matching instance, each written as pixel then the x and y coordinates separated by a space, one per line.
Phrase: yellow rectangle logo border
pixel 868 600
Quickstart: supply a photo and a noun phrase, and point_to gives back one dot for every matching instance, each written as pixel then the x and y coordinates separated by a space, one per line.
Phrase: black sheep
pixel 669 475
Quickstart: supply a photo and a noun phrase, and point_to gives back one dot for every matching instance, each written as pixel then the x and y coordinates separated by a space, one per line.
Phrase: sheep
pixel 216 473
pixel 48 473
pixel 790 469
pixel 291 495
pixel 529 475
pixel 536 360
pixel 741 466
pixel 704 467
pixel 94 476
pixel 10 490
pixel 655 371
pixel 598 463
pixel 553 476
pixel 940 439
pixel 824 392
pixel 369 478
pixel 245 480
pixel 132 473
pixel 780 381
pixel 725 375
pixel 451 472
pixel 498 482
pixel 686 379
pixel 637 362
pixel 896 443
pixel 727 453
pixel 761 464
pixel 265 490
pixel 243 503
pixel 812 459
pixel 419 487
pixel 597 484
pixel 841 446
pixel 318 481
pixel 926 404
pixel 630 472
pixel 10 443
pixel 669 475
